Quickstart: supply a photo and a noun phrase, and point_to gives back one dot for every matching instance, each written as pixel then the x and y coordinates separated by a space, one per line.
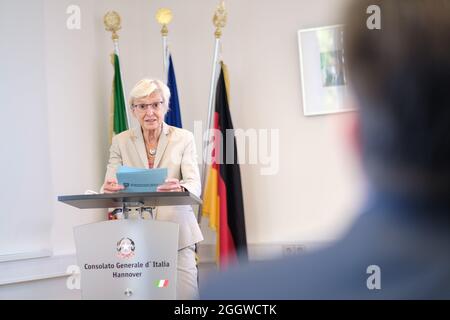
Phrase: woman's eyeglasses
pixel 144 107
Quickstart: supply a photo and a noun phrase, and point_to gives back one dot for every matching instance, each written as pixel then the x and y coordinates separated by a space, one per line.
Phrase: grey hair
pixel 146 87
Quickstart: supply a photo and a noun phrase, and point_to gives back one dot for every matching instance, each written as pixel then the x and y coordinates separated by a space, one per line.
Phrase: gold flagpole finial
pixel 112 23
pixel 220 19
pixel 164 17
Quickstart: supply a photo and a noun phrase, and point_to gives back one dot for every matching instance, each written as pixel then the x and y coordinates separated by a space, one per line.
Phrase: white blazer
pixel 176 152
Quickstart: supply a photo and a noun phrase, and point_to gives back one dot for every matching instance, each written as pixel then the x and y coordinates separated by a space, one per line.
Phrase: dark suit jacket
pixel 408 238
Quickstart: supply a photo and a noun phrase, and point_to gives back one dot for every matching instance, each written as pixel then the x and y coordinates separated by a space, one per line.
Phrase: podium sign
pixel 128 259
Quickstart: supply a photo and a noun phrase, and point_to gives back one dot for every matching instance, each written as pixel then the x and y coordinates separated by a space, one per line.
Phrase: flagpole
pixel 219 21
pixel 112 23
pixel 165 64
pixel 164 17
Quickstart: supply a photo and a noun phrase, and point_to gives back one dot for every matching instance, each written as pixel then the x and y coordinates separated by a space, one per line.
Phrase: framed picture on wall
pixel 322 69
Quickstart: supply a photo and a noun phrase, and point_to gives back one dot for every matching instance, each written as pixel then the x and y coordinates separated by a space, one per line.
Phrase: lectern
pixel 128 258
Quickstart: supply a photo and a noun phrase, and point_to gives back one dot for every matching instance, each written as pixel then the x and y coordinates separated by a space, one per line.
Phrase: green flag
pixel 119 106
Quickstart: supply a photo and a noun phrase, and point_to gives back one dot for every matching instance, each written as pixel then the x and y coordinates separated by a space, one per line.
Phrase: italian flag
pixel 118 113
pixel 162 283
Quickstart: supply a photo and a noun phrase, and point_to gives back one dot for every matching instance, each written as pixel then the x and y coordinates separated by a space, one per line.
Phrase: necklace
pixel 152 152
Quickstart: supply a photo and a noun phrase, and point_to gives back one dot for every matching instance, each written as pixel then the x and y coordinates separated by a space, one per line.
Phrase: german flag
pixel 222 201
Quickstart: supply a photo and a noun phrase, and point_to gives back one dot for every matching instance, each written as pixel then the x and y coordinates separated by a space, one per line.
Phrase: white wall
pixel 25 197
pixel 311 199
pixel 77 108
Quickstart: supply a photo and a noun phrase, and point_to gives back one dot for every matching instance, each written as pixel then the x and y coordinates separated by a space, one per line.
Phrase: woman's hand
pixel 111 186
pixel 170 185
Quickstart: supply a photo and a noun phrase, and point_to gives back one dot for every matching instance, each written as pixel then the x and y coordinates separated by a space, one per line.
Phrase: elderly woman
pixel 154 144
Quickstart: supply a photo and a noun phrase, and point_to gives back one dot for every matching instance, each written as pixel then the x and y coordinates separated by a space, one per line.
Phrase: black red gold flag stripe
pixel 223 200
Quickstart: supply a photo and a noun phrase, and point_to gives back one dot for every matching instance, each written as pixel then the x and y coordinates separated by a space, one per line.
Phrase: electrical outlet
pixel 292 249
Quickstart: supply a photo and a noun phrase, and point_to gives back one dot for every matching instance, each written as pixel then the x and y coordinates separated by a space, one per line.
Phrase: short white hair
pixel 146 87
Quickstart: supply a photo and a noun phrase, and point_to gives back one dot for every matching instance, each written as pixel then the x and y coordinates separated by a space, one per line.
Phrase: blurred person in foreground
pixel 399 247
